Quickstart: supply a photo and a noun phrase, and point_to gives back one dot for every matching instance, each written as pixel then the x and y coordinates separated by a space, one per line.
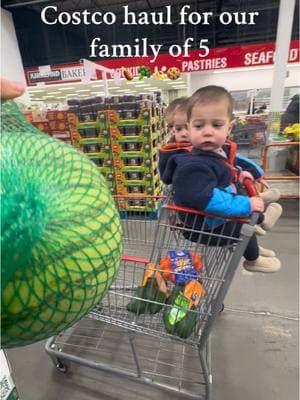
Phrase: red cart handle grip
pixel 250 187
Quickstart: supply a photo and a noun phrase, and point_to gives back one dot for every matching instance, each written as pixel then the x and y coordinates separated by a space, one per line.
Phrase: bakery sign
pixel 62 74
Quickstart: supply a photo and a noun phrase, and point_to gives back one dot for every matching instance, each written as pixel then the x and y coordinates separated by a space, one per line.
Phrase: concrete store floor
pixel 254 342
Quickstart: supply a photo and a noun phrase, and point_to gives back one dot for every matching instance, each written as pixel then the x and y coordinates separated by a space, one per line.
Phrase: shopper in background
pixel 291 114
pixel 261 109
pixel 204 178
pixel 11 90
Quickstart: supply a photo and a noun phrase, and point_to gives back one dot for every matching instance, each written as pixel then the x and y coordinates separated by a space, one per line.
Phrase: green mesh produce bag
pixel 60 233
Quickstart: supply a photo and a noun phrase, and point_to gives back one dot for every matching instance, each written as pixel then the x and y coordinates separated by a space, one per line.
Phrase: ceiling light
pixel 67 88
pixel 37 94
pixel 98 93
pixel 36 91
pixel 54 92
pixel 135 82
pixel 141 83
pixel 82 90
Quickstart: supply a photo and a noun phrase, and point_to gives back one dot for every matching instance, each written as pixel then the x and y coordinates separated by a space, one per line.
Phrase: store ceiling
pixel 112 5
pixel 60 93
pixel 42 44
pixel 116 5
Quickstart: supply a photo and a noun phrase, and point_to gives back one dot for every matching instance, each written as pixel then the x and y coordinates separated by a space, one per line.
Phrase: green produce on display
pixel 122 138
pixel 60 233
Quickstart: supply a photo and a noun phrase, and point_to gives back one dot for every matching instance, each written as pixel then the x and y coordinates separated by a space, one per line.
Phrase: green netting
pixel 60 233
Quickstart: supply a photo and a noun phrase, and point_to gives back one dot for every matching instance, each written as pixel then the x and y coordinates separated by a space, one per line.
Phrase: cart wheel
pixel 61 367
pixel 222 308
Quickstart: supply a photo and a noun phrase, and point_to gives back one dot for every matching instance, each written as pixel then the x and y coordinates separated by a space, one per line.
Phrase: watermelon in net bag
pixel 60 233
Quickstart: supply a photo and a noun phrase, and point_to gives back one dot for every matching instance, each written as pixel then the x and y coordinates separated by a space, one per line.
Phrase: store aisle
pixel 255 341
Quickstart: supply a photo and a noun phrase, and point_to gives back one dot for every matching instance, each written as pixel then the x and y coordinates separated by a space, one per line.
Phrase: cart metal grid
pixel 138 347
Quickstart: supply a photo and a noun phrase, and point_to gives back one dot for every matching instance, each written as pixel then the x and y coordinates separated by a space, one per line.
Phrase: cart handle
pixel 137 196
pixel 202 213
pixel 250 187
pixel 136 259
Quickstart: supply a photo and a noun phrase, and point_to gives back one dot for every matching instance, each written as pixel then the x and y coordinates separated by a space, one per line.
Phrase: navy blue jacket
pixel 205 180
pixel 170 149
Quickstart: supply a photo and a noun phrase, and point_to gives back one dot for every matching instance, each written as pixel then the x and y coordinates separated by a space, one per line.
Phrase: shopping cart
pixel 286 178
pixel 250 135
pixel 151 339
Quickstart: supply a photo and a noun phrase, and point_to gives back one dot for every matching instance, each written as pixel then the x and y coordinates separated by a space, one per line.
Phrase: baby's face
pixel 209 125
pixel 179 130
pixel 170 123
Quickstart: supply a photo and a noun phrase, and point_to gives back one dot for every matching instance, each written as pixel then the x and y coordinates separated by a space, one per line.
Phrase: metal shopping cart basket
pixel 145 329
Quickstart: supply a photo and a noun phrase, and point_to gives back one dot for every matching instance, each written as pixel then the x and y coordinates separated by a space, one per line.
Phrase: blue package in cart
pixel 182 266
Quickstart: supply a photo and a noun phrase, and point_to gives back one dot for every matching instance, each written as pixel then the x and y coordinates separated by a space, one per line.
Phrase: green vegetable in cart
pixel 60 233
pixel 180 313
pixel 153 289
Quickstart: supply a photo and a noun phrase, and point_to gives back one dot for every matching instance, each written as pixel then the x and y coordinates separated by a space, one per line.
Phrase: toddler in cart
pixel 176 119
pixel 179 142
pixel 205 176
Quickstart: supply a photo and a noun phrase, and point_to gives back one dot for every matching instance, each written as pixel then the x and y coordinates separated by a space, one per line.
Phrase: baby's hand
pixel 245 175
pixel 257 204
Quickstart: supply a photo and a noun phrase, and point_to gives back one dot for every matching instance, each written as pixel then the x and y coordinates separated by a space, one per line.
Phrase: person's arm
pixel 195 187
pixel 11 90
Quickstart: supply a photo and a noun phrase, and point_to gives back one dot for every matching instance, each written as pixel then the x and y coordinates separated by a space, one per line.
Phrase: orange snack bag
pixel 165 266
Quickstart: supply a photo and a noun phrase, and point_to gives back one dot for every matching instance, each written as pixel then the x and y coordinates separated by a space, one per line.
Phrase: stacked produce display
pixel 54 123
pixel 122 134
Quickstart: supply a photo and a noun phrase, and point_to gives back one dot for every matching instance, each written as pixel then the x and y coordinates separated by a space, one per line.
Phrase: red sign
pixel 218 58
